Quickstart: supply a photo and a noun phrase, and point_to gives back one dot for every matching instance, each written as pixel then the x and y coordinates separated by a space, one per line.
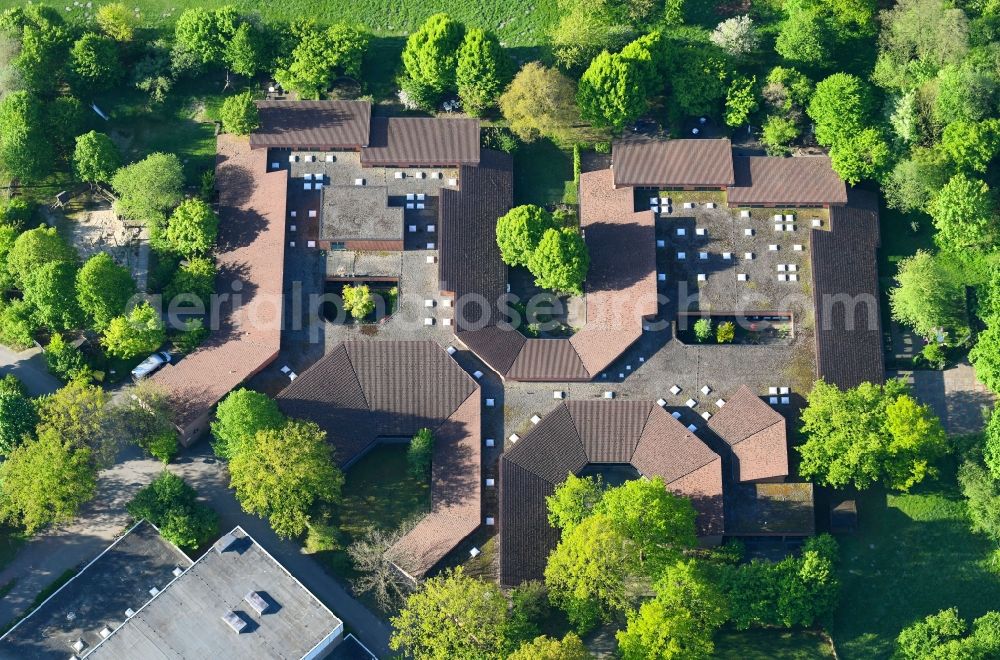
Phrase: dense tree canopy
pixel 116 21
pixel 149 189
pixel 540 102
pixel 943 635
pixel 840 106
pixel 282 473
pixel 963 213
pixel 611 92
pixel 94 61
pixel 320 56
pixel 482 71
pixel 430 59
pixel 240 416
pixel 520 230
pixel 45 481
pixel 679 621
pixel 133 334
pixel 18 418
pixel 35 248
pixel 561 261
pixel 868 434
pixel 171 504
pixel 192 228
pixel 50 290
pixel 239 114
pixel 103 289
pixel 453 615
pixel 26 148
pixel 929 296
pixel 96 158
pixel 569 647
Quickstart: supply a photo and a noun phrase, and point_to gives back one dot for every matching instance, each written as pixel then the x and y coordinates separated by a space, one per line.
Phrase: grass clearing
pixel 772 645
pixel 378 491
pixel 541 170
pixel 516 22
pixel 912 556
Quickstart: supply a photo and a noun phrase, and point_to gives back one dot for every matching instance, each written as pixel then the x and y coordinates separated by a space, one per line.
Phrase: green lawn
pixel 913 556
pixel 378 491
pixel 516 22
pixel 771 645
pixel 541 170
pixel 899 240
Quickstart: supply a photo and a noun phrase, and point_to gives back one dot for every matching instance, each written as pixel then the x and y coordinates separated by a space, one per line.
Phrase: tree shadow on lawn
pixel 541 169
pixel 913 556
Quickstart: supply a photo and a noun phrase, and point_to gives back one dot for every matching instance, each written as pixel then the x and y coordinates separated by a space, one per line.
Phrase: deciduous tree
pixel 281 474
pixel 26 149
pixel 841 107
pixel 103 289
pixel 929 296
pixel 561 260
pixel 963 213
pixel 430 58
pixel 569 647
pixel 149 189
pixel 35 248
pixel 572 501
pixel 741 100
pixel 172 505
pixel 94 62
pixel 133 334
pixel 611 93
pixel 805 37
pixel 320 56
pixel 420 453
pixel 45 481
pixel 239 114
pixel 96 158
pixel 50 290
pixel 192 283
pixel 18 418
pixel 864 155
pixel 867 434
pixel 737 35
pixel 453 615
pixel 116 21
pixel 540 102
pixel 240 416
pixel 482 71
pixel 192 228
pixel 520 230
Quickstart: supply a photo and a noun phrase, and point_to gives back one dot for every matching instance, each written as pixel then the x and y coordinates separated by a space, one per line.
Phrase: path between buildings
pixel 30 367
pixel 46 557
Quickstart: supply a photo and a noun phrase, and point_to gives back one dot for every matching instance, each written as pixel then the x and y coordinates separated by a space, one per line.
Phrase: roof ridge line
pixel 642 431
pixel 357 378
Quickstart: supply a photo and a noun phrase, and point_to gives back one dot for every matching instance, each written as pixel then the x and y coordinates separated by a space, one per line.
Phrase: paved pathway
pixel 955 395
pixel 30 367
pixel 47 556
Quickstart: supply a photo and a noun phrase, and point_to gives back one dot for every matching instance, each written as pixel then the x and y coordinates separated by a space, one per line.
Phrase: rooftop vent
pixel 256 602
pixel 225 543
pixel 78 645
pixel 177 571
pixel 153 591
pixel 234 621
pixel 105 632
pixel 129 613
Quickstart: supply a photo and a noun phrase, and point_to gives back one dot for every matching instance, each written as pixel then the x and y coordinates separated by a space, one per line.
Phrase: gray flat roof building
pixel 352 213
pixel 236 601
pixel 96 599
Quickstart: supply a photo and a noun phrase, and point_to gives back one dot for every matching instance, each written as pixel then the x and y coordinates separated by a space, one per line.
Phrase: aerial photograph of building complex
pixel 528 330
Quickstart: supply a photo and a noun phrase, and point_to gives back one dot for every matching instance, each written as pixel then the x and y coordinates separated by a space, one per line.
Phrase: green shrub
pixel 163 446
pixel 725 333
pixel 602 147
pixel 499 138
pixel 172 505
pixel 933 355
pixel 421 453
pixel 65 360
pixel 192 336
pixel 703 330
pixel 321 537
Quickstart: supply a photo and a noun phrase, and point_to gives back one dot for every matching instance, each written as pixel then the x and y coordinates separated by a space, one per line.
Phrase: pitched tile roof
pixel 576 433
pixel 365 390
pixel 320 125
pixel 648 162
pixel 846 294
pixel 773 181
pixel 620 292
pixel 250 260
pixel 756 434
pixel 422 141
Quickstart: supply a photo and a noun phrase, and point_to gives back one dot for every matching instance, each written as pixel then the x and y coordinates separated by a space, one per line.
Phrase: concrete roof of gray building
pixel 360 213
pixel 118 579
pixel 188 618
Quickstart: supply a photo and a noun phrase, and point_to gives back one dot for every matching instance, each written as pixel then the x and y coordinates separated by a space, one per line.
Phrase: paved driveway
pixel 30 367
pixel 955 395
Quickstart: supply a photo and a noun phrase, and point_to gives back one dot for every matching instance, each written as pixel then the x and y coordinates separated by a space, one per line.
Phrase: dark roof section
pixel 422 141
pixel 117 579
pixel 365 390
pixel 186 618
pixel 319 125
pixel 772 181
pixel 755 433
pixel 770 510
pixel 846 294
pixel 620 292
pixel 577 433
pixel 647 162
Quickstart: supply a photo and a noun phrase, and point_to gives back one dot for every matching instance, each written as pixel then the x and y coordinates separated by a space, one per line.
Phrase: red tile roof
pixel 319 125
pixel 756 434
pixel 365 390
pixel 776 182
pixel 646 162
pixel 576 433
pixel 250 260
pixel 422 141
